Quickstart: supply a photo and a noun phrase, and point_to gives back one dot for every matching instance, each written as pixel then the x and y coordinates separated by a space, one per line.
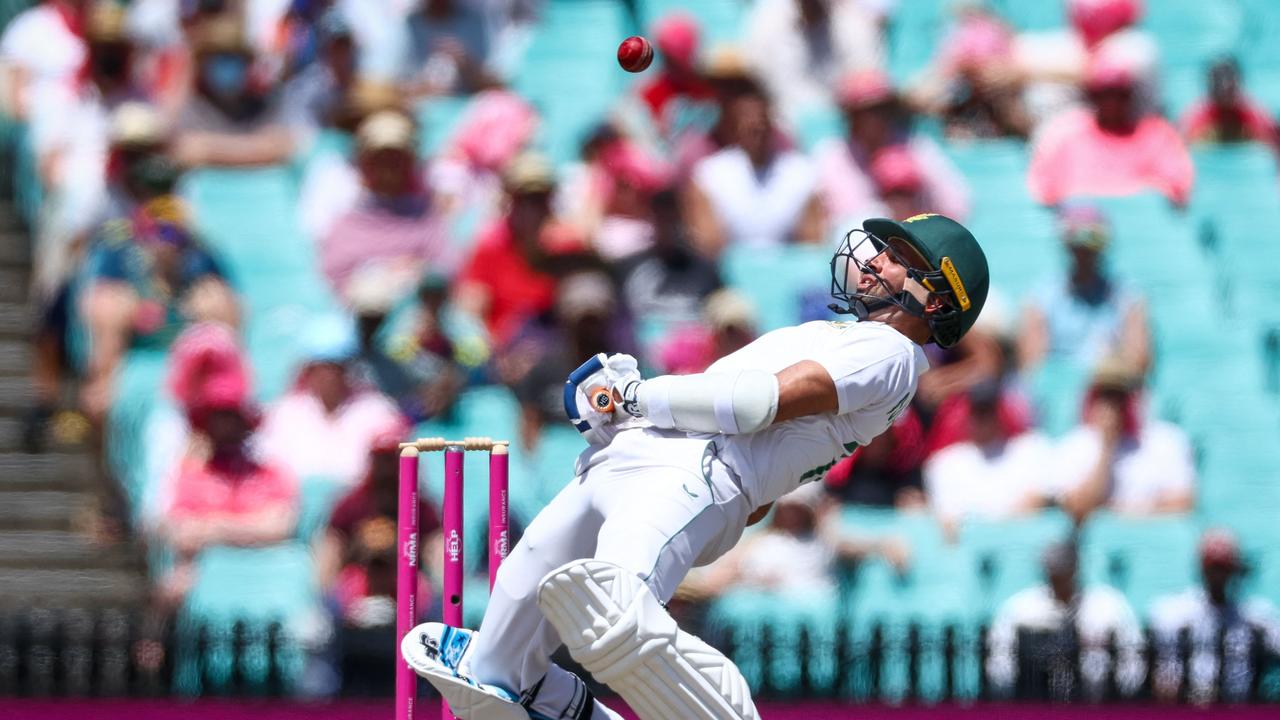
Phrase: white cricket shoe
pixel 442 655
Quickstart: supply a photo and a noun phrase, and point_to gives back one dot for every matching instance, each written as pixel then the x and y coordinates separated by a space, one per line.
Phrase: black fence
pixel 128 653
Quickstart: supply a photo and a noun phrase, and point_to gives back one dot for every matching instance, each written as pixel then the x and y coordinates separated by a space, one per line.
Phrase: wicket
pixel 407 557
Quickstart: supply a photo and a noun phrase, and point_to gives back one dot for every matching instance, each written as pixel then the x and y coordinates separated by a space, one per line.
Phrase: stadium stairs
pixel 49 556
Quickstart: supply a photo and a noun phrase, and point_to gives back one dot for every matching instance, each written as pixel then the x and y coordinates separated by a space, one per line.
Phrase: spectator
pixel 753 193
pixel 224 496
pixel 361 527
pixel 801 48
pixel 447 49
pixel 323 425
pixel 728 324
pixel 610 197
pixel 968 83
pixel 394 233
pixel 419 368
pixel 467 176
pixel 331 185
pixel 1051 66
pixel 1117 459
pixel 127 146
pixel 1113 148
pixel 677 96
pixel 1222 628
pixel 535 362
pixel 511 274
pixel 230 120
pixel 1227 115
pixel 668 282
pixel 876 119
pixel 899 182
pixel 1086 316
pixel 315 93
pixel 794 555
pixel 984 354
pixel 205 355
pixel 356 564
pixel 952 421
pixel 998 472
pixel 886 471
pixel 43 49
pixel 1059 617
pixel 146 276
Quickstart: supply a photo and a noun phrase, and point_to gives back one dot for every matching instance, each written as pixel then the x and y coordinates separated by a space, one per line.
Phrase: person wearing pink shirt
pixel 877 118
pixel 323 425
pixel 393 234
pixel 1110 149
pixel 222 493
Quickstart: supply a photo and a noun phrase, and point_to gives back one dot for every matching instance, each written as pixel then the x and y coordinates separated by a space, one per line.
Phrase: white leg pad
pixel 442 655
pixel 619 632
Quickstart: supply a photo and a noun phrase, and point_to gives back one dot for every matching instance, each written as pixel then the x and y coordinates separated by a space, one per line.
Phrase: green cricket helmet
pixel 957 272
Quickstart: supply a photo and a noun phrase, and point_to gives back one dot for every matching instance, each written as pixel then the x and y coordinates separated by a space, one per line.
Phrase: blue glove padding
pixel 598 425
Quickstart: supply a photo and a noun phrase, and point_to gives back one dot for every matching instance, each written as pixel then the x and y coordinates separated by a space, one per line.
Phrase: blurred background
pixel 246 246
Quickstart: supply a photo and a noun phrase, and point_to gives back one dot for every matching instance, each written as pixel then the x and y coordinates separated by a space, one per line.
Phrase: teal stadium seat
pixel 256 586
pixel 1017 234
pixel 750 615
pixel 1190 35
pixel 940 589
pixel 721 20
pixel 567 73
pixel 1144 558
pixel 1008 552
pixel 777 279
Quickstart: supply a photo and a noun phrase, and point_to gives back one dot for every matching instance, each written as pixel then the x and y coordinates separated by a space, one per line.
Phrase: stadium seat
pixel 777 279
pixel 256 586
pixel 749 615
pixel 720 20
pixel 1008 552
pixel 1144 558
pixel 937 591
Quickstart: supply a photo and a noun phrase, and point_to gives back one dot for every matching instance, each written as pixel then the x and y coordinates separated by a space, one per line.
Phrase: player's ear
pixel 934 304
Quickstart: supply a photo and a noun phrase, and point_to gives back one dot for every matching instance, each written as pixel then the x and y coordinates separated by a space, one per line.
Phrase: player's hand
pixel 589 396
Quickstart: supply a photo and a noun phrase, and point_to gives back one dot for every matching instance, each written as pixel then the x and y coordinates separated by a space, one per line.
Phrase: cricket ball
pixel 635 54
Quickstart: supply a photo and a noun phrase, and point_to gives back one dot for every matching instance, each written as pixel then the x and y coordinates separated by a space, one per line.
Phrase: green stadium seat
pixel 1008 552
pixel 1144 558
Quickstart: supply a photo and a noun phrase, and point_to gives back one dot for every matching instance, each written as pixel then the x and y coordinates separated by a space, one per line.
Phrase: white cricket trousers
pixel 654 502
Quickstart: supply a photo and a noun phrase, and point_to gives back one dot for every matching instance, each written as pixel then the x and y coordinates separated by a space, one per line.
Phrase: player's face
pixel 891 265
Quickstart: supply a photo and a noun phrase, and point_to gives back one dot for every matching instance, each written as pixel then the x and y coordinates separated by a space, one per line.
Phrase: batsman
pixel 677 467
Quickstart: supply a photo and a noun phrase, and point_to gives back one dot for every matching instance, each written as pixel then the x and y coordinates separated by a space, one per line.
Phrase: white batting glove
pixel 589 396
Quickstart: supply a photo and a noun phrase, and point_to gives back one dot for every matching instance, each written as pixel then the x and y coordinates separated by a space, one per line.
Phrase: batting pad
pixel 442 654
pixel 619 631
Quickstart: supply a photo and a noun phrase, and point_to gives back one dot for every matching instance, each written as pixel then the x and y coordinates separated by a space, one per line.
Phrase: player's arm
pixel 733 403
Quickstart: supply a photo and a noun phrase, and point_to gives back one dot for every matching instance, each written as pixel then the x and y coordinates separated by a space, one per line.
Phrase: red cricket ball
pixel 635 54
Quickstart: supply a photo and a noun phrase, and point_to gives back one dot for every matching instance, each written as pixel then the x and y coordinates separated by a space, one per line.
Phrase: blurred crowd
pixel 486 263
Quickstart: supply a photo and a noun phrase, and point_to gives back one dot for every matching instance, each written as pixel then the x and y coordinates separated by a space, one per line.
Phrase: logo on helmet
pixel 921 216
pixel 953 279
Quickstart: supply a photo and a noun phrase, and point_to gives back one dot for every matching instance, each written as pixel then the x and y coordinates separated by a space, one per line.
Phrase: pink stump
pixel 406 579
pixel 452 528
pixel 499 519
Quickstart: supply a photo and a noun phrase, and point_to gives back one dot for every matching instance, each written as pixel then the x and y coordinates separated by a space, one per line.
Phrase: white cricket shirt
pixel 875 369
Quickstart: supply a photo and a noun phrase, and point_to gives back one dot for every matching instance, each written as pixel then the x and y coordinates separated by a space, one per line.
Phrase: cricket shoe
pixel 442 655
